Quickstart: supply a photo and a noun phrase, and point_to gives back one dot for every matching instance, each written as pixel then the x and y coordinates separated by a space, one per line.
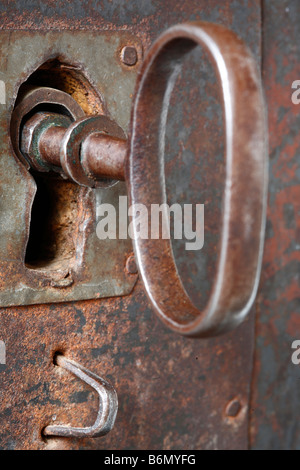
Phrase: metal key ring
pixel 244 198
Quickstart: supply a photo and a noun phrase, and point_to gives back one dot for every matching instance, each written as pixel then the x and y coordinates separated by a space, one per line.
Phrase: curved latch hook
pixel 108 404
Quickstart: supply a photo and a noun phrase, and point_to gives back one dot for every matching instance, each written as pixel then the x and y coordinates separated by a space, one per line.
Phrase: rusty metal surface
pixel 275 400
pixel 77 264
pixel 49 145
pixel 104 155
pixel 174 392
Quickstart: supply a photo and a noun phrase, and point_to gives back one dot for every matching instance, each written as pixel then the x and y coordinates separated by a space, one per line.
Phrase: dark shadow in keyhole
pixel 57 207
pixel 53 225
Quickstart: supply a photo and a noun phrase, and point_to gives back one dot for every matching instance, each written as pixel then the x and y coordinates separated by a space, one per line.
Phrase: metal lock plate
pixel 83 266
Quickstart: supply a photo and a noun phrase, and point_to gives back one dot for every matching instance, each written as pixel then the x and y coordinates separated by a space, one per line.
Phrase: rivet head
pixel 131 267
pixel 129 55
pixel 233 408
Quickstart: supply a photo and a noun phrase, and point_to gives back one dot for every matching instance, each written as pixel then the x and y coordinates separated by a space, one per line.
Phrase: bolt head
pixel 31 132
pixel 233 408
pixel 27 136
pixel 129 56
pixel 131 267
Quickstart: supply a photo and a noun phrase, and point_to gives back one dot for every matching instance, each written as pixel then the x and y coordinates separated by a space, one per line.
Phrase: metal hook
pixel 108 404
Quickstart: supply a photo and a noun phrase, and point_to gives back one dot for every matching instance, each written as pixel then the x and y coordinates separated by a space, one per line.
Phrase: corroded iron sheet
pixel 275 398
pixel 174 392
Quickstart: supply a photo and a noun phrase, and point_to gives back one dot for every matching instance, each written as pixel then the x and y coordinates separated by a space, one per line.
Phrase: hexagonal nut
pixel 31 133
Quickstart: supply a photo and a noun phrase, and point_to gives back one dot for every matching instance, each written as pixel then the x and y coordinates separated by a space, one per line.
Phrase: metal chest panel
pixel 174 392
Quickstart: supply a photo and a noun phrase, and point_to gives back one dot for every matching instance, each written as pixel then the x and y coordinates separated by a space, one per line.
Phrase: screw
pixel 129 55
pixel 131 265
pixel 233 408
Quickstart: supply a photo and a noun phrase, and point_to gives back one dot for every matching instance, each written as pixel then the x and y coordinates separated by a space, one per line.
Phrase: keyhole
pixel 54 218
pixel 59 205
